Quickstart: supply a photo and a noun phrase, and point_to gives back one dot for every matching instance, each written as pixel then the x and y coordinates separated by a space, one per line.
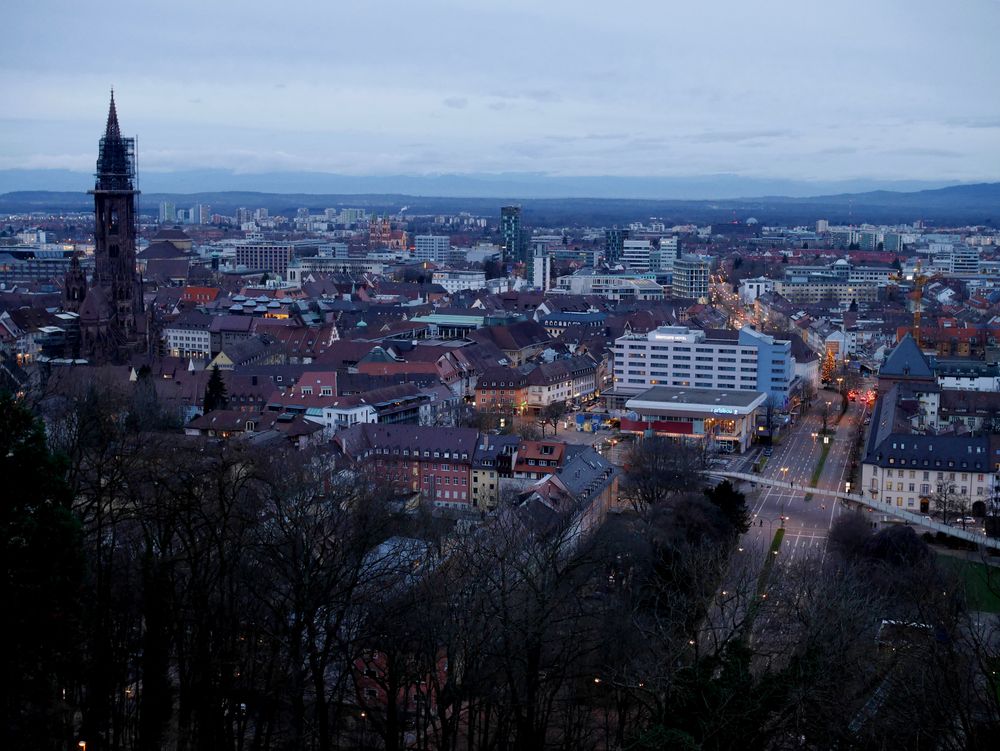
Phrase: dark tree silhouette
pixel 732 503
pixel 216 396
pixel 41 571
pixel 657 468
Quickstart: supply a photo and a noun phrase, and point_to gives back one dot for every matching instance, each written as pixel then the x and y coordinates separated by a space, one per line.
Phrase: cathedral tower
pixel 115 227
pixel 111 313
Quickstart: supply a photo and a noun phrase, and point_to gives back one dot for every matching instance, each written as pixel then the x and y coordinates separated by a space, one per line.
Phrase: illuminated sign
pixel 723 411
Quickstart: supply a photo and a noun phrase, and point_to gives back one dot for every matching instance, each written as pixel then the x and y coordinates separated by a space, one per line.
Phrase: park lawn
pixel 977 578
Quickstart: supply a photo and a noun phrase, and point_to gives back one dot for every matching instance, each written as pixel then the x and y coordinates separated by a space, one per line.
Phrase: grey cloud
pixel 973 122
pixel 542 96
pixel 918 151
pixel 732 136
pixel 543 77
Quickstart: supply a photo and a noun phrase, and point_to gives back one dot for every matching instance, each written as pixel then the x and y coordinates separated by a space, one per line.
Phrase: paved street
pixel 807 520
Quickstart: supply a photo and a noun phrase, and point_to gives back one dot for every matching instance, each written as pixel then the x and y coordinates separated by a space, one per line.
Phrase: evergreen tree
pixel 732 503
pixel 41 564
pixel 215 392
pixel 829 366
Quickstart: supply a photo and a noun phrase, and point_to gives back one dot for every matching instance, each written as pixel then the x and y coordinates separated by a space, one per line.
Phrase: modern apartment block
pixel 684 357
pixel 691 276
pixel 168 212
pixel 817 288
pixel 511 234
pixel 614 245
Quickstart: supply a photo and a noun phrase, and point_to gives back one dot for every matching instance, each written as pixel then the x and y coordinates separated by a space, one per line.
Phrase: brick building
pixel 436 462
pixel 502 390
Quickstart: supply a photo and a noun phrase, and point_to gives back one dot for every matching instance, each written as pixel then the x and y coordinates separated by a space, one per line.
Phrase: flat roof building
pixel 689 358
pixel 724 417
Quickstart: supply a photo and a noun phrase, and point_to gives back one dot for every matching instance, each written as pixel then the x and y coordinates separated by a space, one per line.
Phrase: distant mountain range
pixel 547 200
pixel 474 185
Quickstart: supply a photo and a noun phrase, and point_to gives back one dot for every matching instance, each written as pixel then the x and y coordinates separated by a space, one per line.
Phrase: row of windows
pixel 448 494
pixel 427 454
pixel 446 480
pixel 927 475
pixel 925 488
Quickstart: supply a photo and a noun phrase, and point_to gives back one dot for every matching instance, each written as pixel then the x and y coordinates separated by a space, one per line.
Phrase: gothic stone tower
pixel 115 225
pixel 111 313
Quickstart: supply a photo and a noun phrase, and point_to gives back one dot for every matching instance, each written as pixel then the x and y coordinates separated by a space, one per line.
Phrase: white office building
pixel 433 248
pixel 636 254
pixel 456 281
pixel 751 289
pixel 541 270
pixel 965 259
pixel 684 357
pixel 666 256
pixel 611 286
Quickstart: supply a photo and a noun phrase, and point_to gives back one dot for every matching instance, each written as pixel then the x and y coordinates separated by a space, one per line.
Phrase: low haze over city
pixel 498 376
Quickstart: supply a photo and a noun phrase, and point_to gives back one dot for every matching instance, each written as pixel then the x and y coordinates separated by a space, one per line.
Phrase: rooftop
pixel 710 397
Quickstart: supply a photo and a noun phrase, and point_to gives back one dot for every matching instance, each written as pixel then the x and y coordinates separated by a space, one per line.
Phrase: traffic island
pixel 764 578
pixel 817 473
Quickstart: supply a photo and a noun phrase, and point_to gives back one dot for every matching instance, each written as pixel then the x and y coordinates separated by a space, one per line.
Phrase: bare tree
pixel 657 468
pixel 949 502
pixel 552 414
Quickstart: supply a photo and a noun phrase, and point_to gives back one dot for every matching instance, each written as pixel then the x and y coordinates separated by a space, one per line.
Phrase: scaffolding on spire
pixel 116 156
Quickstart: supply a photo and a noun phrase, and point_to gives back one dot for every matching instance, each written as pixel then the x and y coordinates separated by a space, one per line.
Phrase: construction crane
pixel 919 280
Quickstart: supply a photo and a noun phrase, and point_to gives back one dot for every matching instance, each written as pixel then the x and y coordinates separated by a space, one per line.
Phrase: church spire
pixel 115 165
pixel 112 130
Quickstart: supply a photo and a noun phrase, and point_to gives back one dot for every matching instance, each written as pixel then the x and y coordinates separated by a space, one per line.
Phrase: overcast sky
pixel 804 89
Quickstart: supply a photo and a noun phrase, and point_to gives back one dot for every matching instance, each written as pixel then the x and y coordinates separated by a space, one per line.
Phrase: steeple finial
pixel 112 130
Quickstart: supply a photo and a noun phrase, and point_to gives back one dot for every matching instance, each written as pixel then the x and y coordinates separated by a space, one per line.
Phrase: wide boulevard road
pixel 806 519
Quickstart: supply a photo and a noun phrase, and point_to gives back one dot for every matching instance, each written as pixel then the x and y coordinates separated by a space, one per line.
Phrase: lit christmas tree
pixel 829 366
